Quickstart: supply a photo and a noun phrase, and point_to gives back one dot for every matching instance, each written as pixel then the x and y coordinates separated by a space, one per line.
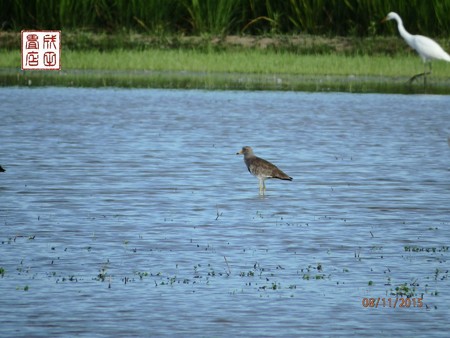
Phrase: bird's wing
pixel 429 49
pixel 271 169
pixel 260 165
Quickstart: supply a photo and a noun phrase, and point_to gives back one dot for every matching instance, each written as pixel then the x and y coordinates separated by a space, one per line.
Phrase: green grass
pixel 307 63
pixel 243 61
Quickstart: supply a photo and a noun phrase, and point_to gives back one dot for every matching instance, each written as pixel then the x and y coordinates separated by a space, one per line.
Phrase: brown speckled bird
pixel 261 168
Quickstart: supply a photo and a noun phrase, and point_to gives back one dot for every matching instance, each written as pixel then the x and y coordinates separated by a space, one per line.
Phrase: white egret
pixel 427 48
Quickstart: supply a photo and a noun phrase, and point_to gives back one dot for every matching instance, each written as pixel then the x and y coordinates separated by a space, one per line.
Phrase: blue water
pixel 127 213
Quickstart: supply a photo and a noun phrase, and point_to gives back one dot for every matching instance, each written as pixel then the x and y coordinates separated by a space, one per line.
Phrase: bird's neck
pixel 403 32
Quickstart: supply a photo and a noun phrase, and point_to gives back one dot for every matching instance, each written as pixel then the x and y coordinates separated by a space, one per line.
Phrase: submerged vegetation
pixel 251 277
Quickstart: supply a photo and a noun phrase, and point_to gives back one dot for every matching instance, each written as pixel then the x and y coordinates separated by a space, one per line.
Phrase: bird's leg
pixel 416 76
pixel 261 191
pixel 424 74
pixel 264 187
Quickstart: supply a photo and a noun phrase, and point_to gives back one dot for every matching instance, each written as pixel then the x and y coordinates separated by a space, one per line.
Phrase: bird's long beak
pixel 384 20
pixel 239 153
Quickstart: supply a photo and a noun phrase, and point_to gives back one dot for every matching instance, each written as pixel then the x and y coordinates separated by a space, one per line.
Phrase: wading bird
pixel 427 48
pixel 261 168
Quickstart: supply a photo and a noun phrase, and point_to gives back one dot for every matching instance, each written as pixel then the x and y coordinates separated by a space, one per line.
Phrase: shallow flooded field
pixel 127 213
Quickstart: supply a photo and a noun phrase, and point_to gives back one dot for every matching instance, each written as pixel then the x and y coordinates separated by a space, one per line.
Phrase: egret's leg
pixel 424 74
pixel 416 76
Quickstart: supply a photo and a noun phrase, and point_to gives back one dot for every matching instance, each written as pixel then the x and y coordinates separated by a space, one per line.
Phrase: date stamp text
pixel 392 302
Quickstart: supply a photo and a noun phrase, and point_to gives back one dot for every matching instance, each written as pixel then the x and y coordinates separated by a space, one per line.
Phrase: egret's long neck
pixel 403 32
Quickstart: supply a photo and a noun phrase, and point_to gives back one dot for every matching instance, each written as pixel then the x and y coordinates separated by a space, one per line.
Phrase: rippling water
pixel 127 213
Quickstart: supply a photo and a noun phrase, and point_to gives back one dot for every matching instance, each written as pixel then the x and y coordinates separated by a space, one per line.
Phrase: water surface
pixel 127 213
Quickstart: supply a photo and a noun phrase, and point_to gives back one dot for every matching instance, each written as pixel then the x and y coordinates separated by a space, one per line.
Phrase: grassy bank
pixel 251 69
pixel 286 63
pixel 245 62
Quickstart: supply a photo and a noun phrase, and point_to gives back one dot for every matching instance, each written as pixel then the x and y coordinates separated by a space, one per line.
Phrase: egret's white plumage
pixel 427 48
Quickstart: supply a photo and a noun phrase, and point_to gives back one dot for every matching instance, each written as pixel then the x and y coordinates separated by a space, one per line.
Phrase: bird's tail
pixel 286 178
